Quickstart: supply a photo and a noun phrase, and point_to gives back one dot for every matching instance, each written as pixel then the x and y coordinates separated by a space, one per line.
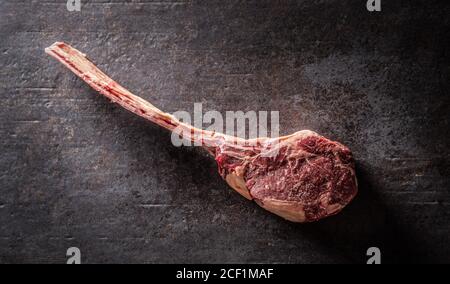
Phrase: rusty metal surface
pixel 76 170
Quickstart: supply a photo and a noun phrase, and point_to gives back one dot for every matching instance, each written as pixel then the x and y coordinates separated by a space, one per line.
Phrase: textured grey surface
pixel 76 170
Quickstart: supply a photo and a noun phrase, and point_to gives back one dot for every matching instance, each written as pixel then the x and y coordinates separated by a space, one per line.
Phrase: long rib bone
pixel 86 70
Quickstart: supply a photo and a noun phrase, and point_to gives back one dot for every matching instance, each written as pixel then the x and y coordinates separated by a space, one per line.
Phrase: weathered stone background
pixel 76 170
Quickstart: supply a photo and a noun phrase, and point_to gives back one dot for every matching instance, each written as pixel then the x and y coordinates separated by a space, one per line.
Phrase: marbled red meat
pixel 309 172
pixel 301 177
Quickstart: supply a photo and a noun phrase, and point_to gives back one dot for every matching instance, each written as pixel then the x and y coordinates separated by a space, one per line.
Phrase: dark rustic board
pixel 76 170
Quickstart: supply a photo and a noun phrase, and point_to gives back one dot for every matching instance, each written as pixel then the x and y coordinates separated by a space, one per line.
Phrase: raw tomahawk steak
pixel 301 177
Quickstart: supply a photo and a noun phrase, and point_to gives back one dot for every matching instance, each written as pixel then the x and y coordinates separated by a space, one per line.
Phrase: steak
pixel 302 177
